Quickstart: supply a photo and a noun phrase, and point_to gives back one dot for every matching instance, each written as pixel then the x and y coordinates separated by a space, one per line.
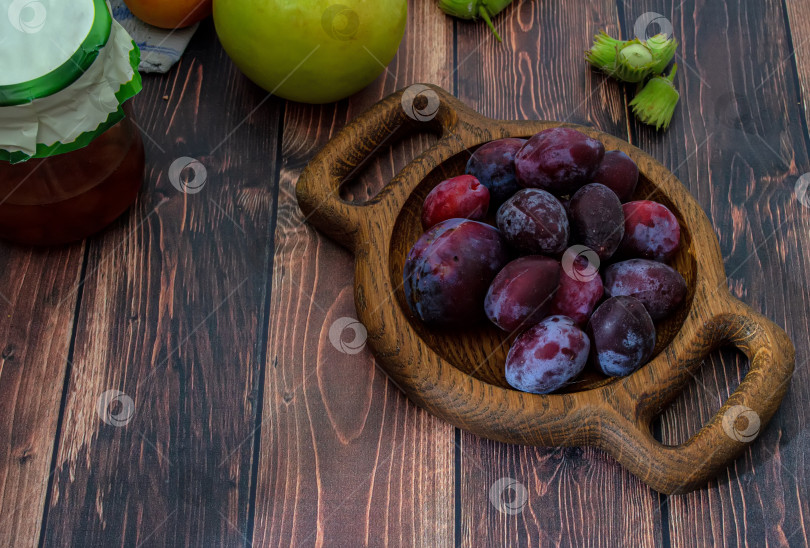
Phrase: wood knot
pixel 25 455
pixel 8 352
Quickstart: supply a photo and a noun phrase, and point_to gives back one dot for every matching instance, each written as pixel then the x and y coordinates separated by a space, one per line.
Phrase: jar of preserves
pixel 71 158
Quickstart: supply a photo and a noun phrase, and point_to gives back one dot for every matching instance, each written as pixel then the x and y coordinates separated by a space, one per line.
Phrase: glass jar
pixel 85 164
pixel 65 198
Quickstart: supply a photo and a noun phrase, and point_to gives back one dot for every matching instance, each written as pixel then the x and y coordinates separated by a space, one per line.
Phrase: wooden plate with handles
pixel 459 376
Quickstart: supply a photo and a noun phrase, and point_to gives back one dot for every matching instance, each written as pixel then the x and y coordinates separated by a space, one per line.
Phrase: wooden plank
pixel 173 315
pixel 738 143
pixel 570 497
pixel 345 459
pixel 798 14
pixel 799 32
pixel 38 302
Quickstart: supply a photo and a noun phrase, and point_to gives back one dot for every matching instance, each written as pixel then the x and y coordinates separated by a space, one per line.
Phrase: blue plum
pixel 651 231
pixel 559 160
pixel 547 356
pixel 449 269
pixel 597 219
pixel 521 293
pixel 659 287
pixel 622 336
pixel 461 197
pixel 619 173
pixel 493 164
pixel 534 221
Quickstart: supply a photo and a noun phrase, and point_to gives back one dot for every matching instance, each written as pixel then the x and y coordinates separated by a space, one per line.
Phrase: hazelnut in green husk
pixel 631 61
pixel 634 62
pixel 602 54
pixel 473 9
pixel 663 50
pixel 655 103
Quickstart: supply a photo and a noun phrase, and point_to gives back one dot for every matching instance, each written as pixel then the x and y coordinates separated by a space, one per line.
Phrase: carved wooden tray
pixel 459 376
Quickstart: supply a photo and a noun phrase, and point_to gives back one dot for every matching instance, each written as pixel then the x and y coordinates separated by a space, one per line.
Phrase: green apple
pixel 313 51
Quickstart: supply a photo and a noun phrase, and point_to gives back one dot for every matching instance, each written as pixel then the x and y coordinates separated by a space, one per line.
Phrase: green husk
pixel 663 51
pixel 634 62
pixel 655 103
pixel 631 61
pixel 602 54
pixel 473 9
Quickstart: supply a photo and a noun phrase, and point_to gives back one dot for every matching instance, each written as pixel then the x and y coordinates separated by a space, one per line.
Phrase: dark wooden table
pixel 237 421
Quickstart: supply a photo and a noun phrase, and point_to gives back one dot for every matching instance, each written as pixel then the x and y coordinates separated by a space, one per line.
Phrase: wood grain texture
pixel 345 459
pixel 796 481
pixel 798 14
pixel 546 79
pixel 739 144
pixel 38 301
pixel 173 316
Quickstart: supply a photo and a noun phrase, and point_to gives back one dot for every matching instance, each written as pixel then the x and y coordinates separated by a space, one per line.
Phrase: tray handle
pixel 420 107
pixel 683 468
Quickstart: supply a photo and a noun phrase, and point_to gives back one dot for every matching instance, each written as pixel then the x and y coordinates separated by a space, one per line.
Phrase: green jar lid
pixel 46 46
pixel 66 67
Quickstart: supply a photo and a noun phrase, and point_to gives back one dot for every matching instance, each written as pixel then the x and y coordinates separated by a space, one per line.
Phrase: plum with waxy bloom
pixel 547 356
pixel 659 287
pixel 534 221
pixel 651 231
pixel 521 293
pixel 579 290
pixel 559 160
pixel 622 335
pixel 449 269
pixel 494 165
pixel 597 219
